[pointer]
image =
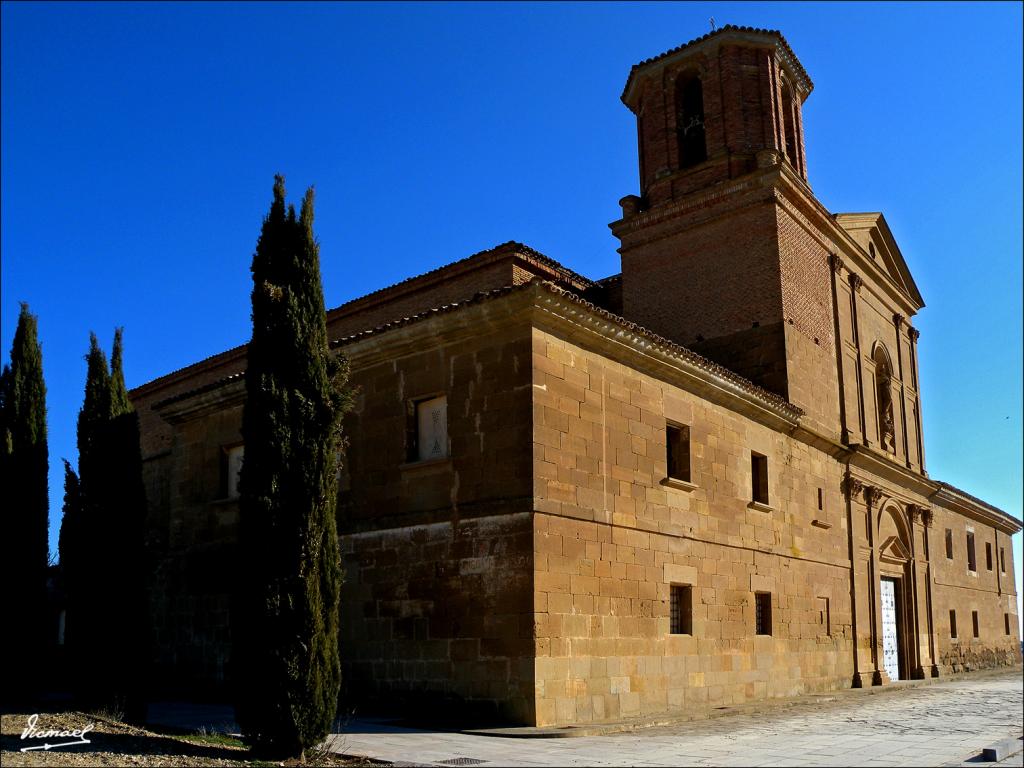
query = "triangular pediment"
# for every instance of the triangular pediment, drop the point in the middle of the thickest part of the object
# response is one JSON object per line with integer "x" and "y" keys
{"x": 893, "y": 551}
{"x": 872, "y": 234}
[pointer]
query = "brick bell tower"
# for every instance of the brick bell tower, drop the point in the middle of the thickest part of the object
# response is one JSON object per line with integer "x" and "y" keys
{"x": 716, "y": 250}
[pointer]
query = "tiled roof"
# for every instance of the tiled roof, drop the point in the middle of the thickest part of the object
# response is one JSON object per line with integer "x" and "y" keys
{"x": 509, "y": 247}
{"x": 727, "y": 28}
{"x": 200, "y": 390}
{"x": 769, "y": 398}
{"x": 954, "y": 490}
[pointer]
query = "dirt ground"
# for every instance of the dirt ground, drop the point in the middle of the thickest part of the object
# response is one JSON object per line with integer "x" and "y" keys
{"x": 118, "y": 744}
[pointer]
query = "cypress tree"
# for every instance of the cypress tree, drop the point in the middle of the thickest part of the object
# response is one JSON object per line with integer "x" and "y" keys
{"x": 124, "y": 500}
{"x": 25, "y": 464}
{"x": 285, "y": 627}
{"x": 102, "y": 544}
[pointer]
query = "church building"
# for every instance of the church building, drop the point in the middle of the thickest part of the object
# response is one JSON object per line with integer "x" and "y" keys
{"x": 695, "y": 483}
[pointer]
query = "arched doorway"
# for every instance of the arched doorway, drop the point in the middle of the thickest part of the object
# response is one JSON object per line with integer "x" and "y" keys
{"x": 897, "y": 610}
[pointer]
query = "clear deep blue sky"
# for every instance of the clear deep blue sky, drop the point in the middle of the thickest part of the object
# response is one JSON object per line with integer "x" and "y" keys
{"x": 139, "y": 144}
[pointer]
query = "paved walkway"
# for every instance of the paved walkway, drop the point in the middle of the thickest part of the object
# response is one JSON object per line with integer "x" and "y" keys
{"x": 947, "y": 723}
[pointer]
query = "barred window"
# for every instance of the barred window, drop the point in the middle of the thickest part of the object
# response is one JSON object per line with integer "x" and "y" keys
{"x": 763, "y": 613}
{"x": 681, "y": 610}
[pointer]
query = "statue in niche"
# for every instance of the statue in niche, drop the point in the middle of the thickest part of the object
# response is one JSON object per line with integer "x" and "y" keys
{"x": 883, "y": 382}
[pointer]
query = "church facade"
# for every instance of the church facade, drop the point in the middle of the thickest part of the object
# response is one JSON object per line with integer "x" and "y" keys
{"x": 692, "y": 484}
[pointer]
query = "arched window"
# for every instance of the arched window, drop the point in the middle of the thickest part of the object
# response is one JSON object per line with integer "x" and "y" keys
{"x": 788, "y": 125}
{"x": 883, "y": 399}
{"x": 690, "y": 121}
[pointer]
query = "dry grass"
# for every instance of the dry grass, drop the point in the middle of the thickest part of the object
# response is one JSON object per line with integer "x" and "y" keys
{"x": 115, "y": 743}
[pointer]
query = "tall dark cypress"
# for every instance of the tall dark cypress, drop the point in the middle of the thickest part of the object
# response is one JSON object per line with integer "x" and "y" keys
{"x": 84, "y": 548}
{"x": 124, "y": 500}
{"x": 102, "y": 544}
{"x": 285, "y": 624}
{"x": 24, "y": 547}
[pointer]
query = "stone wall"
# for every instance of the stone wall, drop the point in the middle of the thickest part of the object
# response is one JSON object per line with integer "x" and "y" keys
{"x": 612, "y": 534}
{"x": 990, "y": 592}
{"x": 437, "y": 604}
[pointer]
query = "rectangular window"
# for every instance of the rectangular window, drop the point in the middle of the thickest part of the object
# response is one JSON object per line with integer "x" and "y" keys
{"x": 681, "y": 610}
{"x": 677, "y": 439}
{"x": 988, "y": 556}
{"x": 763, "y": 613}
{"x": 821, "y": 499}
{"x": 952, "y": 624}
{"x": 759, "y": 477}
{"x": 974, "y": 621}
{"x": 949, "y": 543}
{"x": 1006, "y": 623}
{"x": 1002, "y": 559}
{"x": 428, "y": 429}
{"x": 972, "y": 563}
{"x": 232, "y": 466}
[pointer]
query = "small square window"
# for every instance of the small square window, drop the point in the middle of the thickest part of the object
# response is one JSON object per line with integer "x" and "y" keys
{"x": 972, "y": 562}
{"x": 763, "y": 613}
{"x": 974, "y": 621}
{"x": 681, "y": 610}
{"x": 759, "y": 477}
{"x": 428, "y": 429}
{"x": 677, "y": 440}
{"x": 232, "y": 467}
{"x": 952, "y": 624}
{"x": 988, "y": 556}
{"x": 949, "y": 543}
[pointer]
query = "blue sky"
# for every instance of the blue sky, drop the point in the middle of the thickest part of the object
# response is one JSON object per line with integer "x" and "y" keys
{"x": 139, "y": 144}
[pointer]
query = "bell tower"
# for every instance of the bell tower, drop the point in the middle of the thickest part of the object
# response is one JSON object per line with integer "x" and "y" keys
{"x": 717, "y": 252}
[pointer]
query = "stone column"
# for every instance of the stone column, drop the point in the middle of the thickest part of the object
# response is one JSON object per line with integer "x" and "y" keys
{"x": 897, "y": 320}
{"x": 856, "y": 284}
{"x": 917, "y": 572}
{"x": 926, "y": 525}
{"x": 872, "y": 495}
{"x": 914, "y": 335}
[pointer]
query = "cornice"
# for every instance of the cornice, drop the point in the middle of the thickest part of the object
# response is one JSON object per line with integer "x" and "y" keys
{"x": 217, "y": 396}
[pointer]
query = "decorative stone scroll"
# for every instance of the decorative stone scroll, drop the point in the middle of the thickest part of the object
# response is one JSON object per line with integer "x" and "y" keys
{"x": 913, "y": 333}
{"x": 855, "y": 282}
{"x": 872, "y": 494}
{"x": 836, "y": 262}
{"x": 926, "y": 516}
{"x": 897, "y": 320}
{"x": 852, "y": 486}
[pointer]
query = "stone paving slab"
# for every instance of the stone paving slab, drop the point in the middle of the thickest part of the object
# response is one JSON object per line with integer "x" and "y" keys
{"x": 949, "y": 722}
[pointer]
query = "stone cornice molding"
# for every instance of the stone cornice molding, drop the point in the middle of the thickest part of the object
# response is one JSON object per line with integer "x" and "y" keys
{"x": 212, "y": 398}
